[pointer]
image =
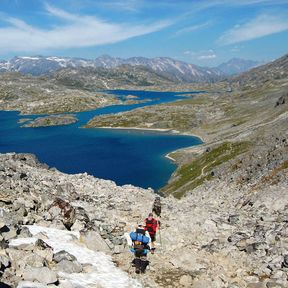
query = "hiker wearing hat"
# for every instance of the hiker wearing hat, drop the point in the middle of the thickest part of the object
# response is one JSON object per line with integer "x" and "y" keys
{"x": 139, "y": 243}
{"x": 151, "y": 226}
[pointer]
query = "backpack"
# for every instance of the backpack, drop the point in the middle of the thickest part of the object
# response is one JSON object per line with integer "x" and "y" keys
{"x": 137, "y": 237}
{"x": 151, "y": 225}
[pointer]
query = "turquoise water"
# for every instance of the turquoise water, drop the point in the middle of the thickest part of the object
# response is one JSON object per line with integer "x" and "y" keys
{"x": 124, "y": 156}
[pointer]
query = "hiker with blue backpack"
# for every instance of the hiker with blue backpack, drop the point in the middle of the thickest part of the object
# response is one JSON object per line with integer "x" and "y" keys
{"x": 139, "y": 242}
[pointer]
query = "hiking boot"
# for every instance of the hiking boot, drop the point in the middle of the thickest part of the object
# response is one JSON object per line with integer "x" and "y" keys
{"x": 152, "y": 250}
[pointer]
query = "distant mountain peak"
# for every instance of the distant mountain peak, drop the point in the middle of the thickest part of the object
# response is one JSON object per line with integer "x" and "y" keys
{"x": 237, "y": 65}
{"x": 170, "y": 68}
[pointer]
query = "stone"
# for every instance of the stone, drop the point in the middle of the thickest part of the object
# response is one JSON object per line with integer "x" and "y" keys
{"x": 118, "y": 249}
{"x": 236, "y": 237}
{"x": 47, "y": 254}
{"x": 256, "y": 285}
{"x": 43, "y": 275}
{"x": 276, "y": 263}
{"x": 277, "y": 274}
{"x": 20, "y": 259}
{"x": 6, "y": 197}
{"x": 29, "y": 284}
{"x": 274, "y": 284}
{"x": 4, "y": 261}
{"x": 202, "y": 283}
{"x": 63, "y": 209}
{"x": 78, "y": 225}
{"x": 4, "y": 244}
{"x": 63, "y": 255}
{"x": 81, "y": 215}
{"x": 41, "y": 244}
{"x": 94, "y": 241}
{"x": 10, "y": 234}
{"x": 189, "y": 261}
{"x": 4, "y": 285}
{"x": 69, "y": 266}
{"x": 186, "y": 281}
{"x": 66, "y": 189}
{"x": 285, "y": 261}
{"x": 2, "y": 224}
{"x": 233, "y": 219}
{"x": 24, "y": 233}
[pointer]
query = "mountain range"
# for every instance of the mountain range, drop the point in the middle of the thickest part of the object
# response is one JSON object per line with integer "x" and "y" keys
{"x": 174, "y": 70}
{"x": 237, "y": 66}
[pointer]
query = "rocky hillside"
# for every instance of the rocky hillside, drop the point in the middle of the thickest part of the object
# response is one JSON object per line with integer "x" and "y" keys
{"x": 103, "y": 78}
{"x": 230, "y": 232}
{"x": 268, "y": 74}
{"x": 34, "y": 95}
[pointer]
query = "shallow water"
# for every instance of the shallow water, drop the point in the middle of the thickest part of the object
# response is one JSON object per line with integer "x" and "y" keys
{"x": 124, "y": 156}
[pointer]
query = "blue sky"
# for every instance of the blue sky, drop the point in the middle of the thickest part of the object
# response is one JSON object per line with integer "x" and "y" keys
{"x": 203, "y": 32}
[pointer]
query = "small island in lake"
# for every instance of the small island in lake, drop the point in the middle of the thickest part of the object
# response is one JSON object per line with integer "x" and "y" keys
{"x": 52, "y": 120}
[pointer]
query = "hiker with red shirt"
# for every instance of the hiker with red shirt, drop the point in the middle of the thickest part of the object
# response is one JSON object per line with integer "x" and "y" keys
{"x": 151, "y": 226}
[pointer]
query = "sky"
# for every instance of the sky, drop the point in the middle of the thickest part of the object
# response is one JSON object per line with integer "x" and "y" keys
{"x": 203, "y": 32}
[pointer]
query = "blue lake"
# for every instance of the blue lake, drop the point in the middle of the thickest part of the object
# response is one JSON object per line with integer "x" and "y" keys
{"x": 124, "y": 156}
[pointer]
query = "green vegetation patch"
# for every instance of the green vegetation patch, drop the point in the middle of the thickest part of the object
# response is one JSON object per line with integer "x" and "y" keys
{"x": 193, "y": 174}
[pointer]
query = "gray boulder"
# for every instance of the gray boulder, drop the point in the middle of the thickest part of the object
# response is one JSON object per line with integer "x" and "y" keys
{"x": 69, "y": 266}
{"x": 4, "y": 261}
{"x": 94, "y": 241}
{"x": 186, "y": 281}
{"x": 29, "y": 284}
{"x": 63, "y": 255}
{"x": 21, "y": 259}
{"x": 25, "y": 233}
{"x": 43, "y": 275}
{"x": 285, "y": 261}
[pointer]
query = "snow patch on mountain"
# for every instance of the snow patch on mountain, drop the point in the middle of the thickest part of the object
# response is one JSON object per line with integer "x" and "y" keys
{"x": 170, "y": 68}
{"x": 103, "y": 273}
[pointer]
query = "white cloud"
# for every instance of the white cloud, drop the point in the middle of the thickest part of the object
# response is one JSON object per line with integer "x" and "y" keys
{"x": 206, "y": 4}
{"x": 127, "y": 5}
{"x": 76, "y": 31}
{"x": 192, "y": 28}
{"x": 261, "y": 26}
{"x": 207, "y": 57}
{"x": 115, "y": 5}
{"x": 201, "y": 55}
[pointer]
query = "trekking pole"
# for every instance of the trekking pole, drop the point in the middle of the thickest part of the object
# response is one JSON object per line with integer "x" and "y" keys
{"x": 162, "y": 248}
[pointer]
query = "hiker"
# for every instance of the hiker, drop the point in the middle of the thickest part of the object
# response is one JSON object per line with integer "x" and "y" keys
{"x": 151, "y": 226}
{"x": 157, "y": 206}
{"x": 139, "y": 242}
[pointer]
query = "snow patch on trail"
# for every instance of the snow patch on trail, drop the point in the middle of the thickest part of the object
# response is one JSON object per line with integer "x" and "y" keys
{"x": 103, "y": 272}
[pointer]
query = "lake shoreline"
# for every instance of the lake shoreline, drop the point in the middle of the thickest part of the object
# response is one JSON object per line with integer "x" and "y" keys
{"x": 168, "y": 131}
